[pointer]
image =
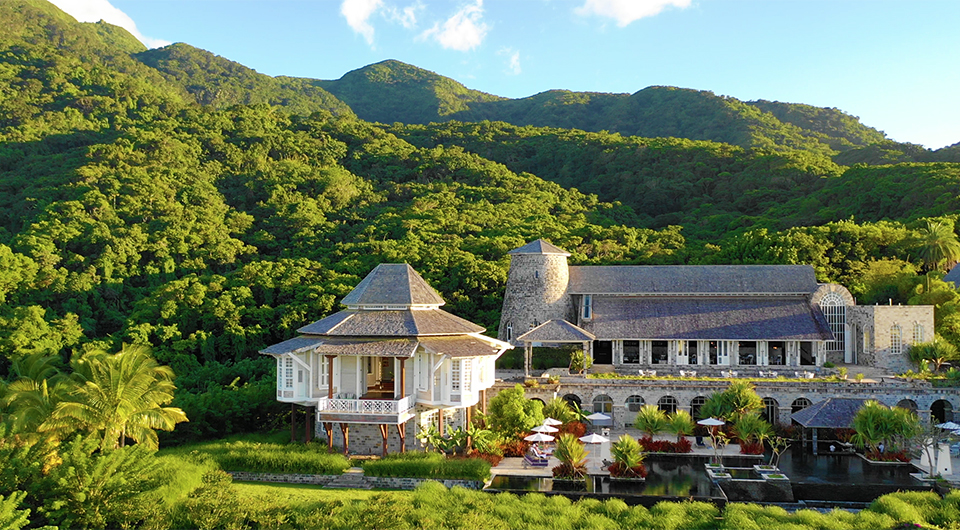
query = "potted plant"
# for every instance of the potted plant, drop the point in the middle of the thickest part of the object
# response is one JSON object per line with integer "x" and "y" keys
{"x": 573, "y": 459}
{"x": 627, "y": 459}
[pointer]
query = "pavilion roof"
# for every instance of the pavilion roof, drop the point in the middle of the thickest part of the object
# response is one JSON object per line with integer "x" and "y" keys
{"x": 393, "y": 284}
{"x": 831, "y": 413}
{"x": 400, "y": 323}
{"x": 557, "y": 331}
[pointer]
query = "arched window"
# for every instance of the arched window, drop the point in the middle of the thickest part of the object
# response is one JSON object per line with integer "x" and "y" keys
{"x": 908, "y": 404}
{"x": 896, "y": 340}
{"x": 799, "y": 404}
{"x": 771, "y": 410}
{"x": 917, "y": 333}
{"x": 603, "y": 403}
{"x": 634, "y": 403}
{"x": 667, "y": 404}
{"x": 509, "y": 332}
{"x": 942, "y": 411}
{"x": 573, "y": 399}
{"x": 695, "y": 407}
{"x": 836, "y": 313}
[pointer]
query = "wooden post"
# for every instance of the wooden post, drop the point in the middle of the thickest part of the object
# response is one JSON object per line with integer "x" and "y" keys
{"x": 483, "y": 401}
{"x": 467, "y": 428}
{"x": 327, "y": 426}
{"x": 345, "y": 428}
{"x": 440, "y": 421}
{"x": 330, "y": 359}
{"x": 383, "y": 433}
{"x": 293, "y": 422}
{"x": 403, "y": 380}
{"x": 403, "y": 437}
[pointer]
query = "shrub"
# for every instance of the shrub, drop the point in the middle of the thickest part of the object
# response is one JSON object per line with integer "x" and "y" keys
{"x": 650, "y": 420}
{"x": 574, "y": 427}
{"x": 572, "y": 456}
{"x": 256, "y": 457}
{"x": 560, "y": 410}
{"x": 514, "y": 447}
{"x": 417, "y": 464}
{"x": 512, "y": 414}
{"x": 751, "y": 448}
{"x": 665, "y": 446}
{"x": 628, "y": 458}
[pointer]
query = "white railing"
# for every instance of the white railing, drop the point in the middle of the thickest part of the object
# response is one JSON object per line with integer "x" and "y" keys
{"x": 366, "y": 406}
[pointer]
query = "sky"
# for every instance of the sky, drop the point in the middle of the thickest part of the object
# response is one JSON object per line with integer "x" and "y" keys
{"x": 893, "y": 64}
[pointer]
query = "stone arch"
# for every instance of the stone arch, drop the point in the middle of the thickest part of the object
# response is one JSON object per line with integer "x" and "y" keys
{"x": 771, "y": 410}
{"x": 667, "y": 404}
{"x": 695, "y": 405}
{"x": 538, "y": 399}
{"x": 908, "y": 404}
{"x": 603, "y": 403}
{"x": 573, "y": 399}
{"x": 634, "y": 403}
{"x": 941, "y": 411}
{"x": 799, "y": 404}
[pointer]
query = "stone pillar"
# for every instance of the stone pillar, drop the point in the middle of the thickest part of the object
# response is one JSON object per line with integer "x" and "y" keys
{"x": 785, "y": 414}
{"x": 924, "y": 416}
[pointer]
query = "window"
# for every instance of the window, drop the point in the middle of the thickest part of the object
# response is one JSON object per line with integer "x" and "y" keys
{"x": 917, "y": 333}
{"x": 668, "y": 404}
{"x": 771, "y": 410}
{"x": 692, "y": 355}
{"x": 324, "y": 379}
{"x": 799, "y": 404}
{"x": 287, "y": 372}
{"x": 455, "y": 375}
{"x": 536, "y": 274}
{"x": 695, "y": 406}
{"x": 634, "y": 403}
{"x": 467, "y": 375}
{"x": 747, "y": 352}
{"x": 603, "y": 403}
{"x": 509, "y": 332}
{"x": 776, "y": 353}
{"x": 896, "y": 340}
{"x": 835, "y": 311}
{"x": 658, "y": 352}
{"x": 631, "y": 352}
{"x": 587, "y": 307}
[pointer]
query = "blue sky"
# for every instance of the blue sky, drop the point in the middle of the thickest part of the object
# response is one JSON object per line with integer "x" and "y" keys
{"x": 895, "y": 64}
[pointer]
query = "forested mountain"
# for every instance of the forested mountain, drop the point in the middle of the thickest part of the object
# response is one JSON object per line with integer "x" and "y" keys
{"x": 175, "y": 199}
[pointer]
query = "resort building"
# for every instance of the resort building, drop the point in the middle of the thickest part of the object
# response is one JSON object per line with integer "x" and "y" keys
{"x": 390, "y": 363}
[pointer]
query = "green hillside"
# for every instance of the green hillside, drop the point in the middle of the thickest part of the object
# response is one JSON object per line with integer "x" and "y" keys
{"x": 219, "y": 83}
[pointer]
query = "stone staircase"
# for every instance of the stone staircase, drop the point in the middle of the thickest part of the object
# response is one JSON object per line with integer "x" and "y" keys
{"x": 352, "y": 478}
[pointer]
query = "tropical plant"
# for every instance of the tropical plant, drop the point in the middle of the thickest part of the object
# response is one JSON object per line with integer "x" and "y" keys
{"x": 11, "y": 517}
{"x": 627, "y": 457}
{"x": 681, "y": 424}
{"x": 579, "y": 362}
{"x": 876, "y": 423}
{"x": 572, "y": 456}
{"x": 937, "y": 244}
{"x": 651, "y": 420}
{"x": 120, "y": 396}
{"x": 510, "y": 413}
{"x": 778, "y": 445}
{"x": 560, "y": 410}
{"x": 752, "y": 431}
{"x": 738, "y": 399}
{"x": 937, "y": 352}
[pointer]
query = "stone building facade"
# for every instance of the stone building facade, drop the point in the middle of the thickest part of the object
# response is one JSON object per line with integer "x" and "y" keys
{"x": 882, "y": 334}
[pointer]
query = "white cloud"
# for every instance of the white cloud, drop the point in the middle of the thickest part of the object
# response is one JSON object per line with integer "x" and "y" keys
{"x": 407, "y": 17}
{"x": 513, "y": 60}
{"x": 626, "y": 11}
{"x": 97, "y": 10}
{"x": 358, "y": 13}
{"x": 463, "y": 31}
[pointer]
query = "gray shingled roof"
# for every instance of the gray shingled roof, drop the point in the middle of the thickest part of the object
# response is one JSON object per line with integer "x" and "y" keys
{"x": 407, "y": 323}
{"x": 693, "y": 279}
{"x": 393, "y": 284}
{"x": 834, "y": 413}
{"x": 556, "y": 331}
{"x": 294, "y": 345}
{"x": 375, "y": 347}
{"x": 469, "y": 346}
{"x": 953, "y": 276}
{"x": 706, "y": 318}
{"x": 539, "y": 246}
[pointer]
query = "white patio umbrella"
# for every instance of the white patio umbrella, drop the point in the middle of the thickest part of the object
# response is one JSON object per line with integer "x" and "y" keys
{"x": 598, "y": 416}
{"x": 711, "y": 422}
{"x": 545, "y": 428}
{"x": 539, "y": 437}
{"x": 950, "y": 426}
{"x": 596, "y": 457}
{"x": 553, "y": 423}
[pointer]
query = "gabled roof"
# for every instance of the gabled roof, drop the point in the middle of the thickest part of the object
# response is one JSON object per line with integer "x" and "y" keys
{"x": 462, "y": 346}
{"x": 556, "y": 331}
{"x": 539, "y": 246}
{"x": 835, "y": 413}
{"x": 393, "y": 284}
{"x": 294, "y": 345}
{"x": 401, "y": 323}
{"x": 755, "y": 280}
{"x": 707, "y": 318}
{"x": 457, "y": 346}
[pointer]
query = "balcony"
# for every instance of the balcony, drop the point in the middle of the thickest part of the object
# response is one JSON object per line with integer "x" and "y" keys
{"x": 392, "y": 411}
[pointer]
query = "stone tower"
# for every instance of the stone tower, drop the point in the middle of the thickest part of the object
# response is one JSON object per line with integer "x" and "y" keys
{"x": 536, "y": 289}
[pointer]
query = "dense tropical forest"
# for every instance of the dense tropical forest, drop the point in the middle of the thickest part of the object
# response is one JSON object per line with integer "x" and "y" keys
{"x": 176, "y": 211}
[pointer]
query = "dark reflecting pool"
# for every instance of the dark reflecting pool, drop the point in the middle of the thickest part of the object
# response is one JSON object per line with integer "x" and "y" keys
{"x": 842, "y": 469}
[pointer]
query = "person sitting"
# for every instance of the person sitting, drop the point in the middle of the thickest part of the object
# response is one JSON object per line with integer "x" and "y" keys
{"x": 700, "y": 441}
{"x": 535, "y": 449}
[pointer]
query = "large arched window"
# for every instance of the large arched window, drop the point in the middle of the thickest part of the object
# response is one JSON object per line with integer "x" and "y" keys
{"x": 634, "y": 403}
{"x": 603, "y": 403}
{"x": 896, "y": 340}
{"x": 771, "y": 410}
{"x": 836, "y": 313}
{"x": 799, "y": 404}
{"x": 695, "y": 407}
{"x": 667, "y": 404}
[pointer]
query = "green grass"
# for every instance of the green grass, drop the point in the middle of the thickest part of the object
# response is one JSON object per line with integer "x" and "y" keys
{"x": 427, "y": 465}
{"x": 262, "y": 454}
{"x": 301, "y": 495}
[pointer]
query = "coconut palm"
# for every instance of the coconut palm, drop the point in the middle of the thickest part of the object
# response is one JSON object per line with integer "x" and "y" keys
{"x": 572, "y": 456}
{"x": 37, "y": 388}
{"x": 651, "y": 420}
{"x": 681, "y": 424}
{"x": 937, "y": 245}
{"x": 120, "y": 395}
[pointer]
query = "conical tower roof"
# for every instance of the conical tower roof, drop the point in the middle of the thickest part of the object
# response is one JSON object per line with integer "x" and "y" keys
{"x": 539, "y": 246}
{"x": 393, "y": 284}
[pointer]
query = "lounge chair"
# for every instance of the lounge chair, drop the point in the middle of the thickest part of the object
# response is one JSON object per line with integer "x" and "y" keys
{"x": 535, "y": 461}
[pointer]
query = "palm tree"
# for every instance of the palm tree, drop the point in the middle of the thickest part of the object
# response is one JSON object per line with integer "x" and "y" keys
{"x": 121, "y": 395}
{"x": 38, "y": 387}
{"x": 938, "y": 245}
{"x": 651, "y": 420}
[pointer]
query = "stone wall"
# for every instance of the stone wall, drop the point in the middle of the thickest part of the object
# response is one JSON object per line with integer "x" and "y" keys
{"x": 395, "y": 483}
{"x": 873, "y": 326}
{"x": 784, "y": 393}
{"x": 536, "y": 292}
